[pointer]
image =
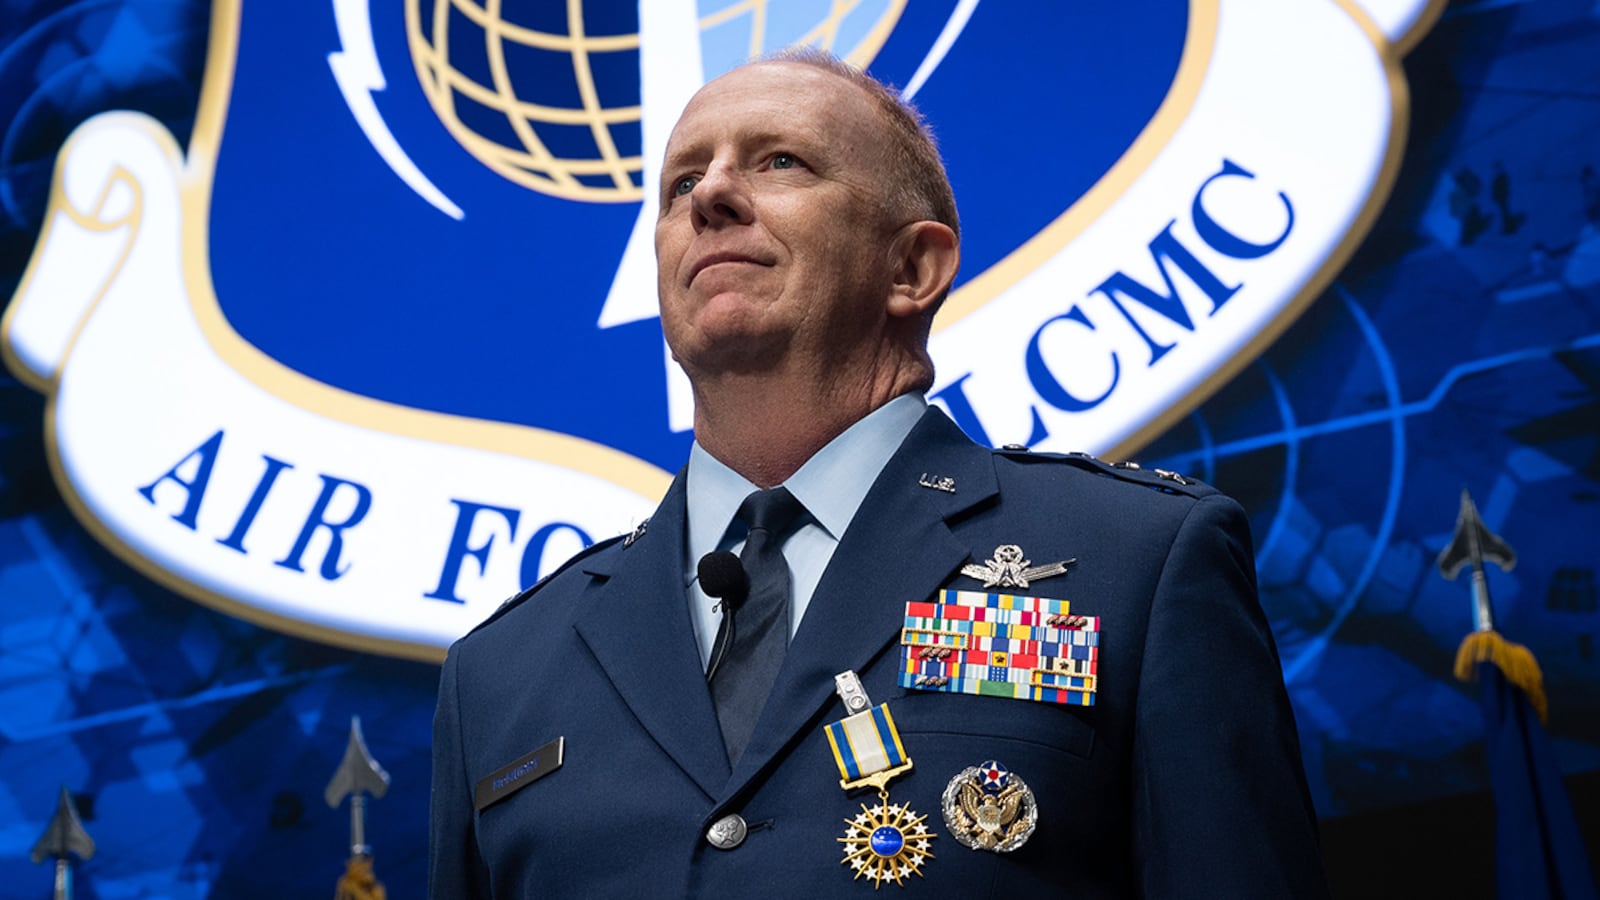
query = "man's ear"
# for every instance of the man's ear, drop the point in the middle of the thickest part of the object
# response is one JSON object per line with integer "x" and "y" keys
{"x": 925, "y": 256}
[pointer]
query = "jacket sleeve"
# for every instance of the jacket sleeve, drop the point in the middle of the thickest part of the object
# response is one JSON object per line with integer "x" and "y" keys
{"x": 455, "y": 867}
{"x": 1221, "y": 807}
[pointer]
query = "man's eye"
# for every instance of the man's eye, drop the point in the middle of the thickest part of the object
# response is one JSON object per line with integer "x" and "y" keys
{"x": 785, "y": 161}
{"x": 684, "y": 185}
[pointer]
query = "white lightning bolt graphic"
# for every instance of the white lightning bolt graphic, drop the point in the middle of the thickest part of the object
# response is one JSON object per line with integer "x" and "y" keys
{"x": 358, "y": 75}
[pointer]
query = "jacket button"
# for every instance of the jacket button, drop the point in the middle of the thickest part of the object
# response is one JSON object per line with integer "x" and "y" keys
{"x": 727, "y": 832}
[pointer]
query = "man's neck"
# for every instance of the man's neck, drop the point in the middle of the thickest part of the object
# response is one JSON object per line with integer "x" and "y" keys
{"x": 766, "y": 428}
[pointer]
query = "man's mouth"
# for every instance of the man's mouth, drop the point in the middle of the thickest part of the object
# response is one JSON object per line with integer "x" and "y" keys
{"x": 716, "y": 259}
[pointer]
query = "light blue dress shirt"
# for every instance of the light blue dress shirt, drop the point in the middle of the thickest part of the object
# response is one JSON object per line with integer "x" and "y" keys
{"x": 831, "y": 486}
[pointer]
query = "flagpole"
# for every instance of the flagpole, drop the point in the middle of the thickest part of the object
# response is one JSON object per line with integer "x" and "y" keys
{"x": 1539, "y": 852}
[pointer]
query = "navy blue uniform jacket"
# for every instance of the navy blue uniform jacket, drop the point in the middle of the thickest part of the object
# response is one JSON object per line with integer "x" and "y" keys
{"x": 1183, "y": 780}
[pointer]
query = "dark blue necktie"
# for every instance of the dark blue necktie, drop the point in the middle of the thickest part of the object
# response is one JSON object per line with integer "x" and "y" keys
{"x": 755, "y": 635}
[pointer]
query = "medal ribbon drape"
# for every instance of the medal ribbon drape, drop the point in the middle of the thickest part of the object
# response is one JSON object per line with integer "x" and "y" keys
{"x": 865, "y": 744}
{"x": 885, "y": 841}
{"x": 757, "y": 632}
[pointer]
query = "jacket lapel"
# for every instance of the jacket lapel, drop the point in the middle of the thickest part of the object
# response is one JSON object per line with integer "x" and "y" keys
{"x": 639, "y": 630}
{"x": 898, "y": 548}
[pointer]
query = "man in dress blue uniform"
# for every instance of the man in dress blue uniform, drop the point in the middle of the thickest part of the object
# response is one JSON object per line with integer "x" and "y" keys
{"x": 1076, "y": 691}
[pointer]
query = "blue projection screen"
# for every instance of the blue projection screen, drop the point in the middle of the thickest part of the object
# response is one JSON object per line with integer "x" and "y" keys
{"x": 328, "y": 329}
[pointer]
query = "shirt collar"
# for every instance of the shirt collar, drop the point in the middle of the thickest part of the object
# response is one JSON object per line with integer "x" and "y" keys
{"x": 831, "y": 484}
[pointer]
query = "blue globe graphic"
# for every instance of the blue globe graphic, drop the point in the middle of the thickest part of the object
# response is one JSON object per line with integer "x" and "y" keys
{"x": 887, "y": 840}
{"x": 547, "y": 94}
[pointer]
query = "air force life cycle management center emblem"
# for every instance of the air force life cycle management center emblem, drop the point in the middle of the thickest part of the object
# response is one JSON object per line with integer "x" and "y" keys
{"x": 379, "y": 346}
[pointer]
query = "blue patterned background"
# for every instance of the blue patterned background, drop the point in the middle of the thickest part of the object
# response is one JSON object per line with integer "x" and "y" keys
{"x": 1459, "y": 348}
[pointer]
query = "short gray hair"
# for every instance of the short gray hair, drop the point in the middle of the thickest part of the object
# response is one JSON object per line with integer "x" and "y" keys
{"x": 920, "y": 185}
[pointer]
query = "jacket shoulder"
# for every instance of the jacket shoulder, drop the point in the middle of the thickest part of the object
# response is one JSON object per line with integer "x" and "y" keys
{"x": 1131, "y": 473}
{"x": 517, "y": 599}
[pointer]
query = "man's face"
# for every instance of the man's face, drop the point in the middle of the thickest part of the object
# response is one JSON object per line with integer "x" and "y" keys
{"x": 773, "y": 241}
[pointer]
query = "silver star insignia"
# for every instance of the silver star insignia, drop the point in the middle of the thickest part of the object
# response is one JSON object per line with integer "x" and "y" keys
{"x": 1009, "y": 569}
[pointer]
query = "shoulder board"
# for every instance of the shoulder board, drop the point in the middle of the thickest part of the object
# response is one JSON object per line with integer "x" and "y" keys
{"x": 1162, "y": 480}
{"x": 516, "y": 599}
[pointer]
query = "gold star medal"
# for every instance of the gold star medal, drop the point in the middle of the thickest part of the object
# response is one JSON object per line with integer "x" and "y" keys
{"x": 885, "y": 841}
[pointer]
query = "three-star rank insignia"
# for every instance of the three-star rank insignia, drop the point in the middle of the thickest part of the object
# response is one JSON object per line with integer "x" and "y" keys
{"x": 987, "y": 807}
{"x": 1009, "y": 569}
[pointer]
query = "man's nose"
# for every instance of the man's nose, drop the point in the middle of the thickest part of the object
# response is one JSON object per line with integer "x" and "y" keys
{"x": 720, "y": 198}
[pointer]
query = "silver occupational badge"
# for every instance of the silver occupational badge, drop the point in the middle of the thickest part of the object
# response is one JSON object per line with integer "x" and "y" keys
{"x": 987, "y": 807}
{"x": 1009, "y": 569}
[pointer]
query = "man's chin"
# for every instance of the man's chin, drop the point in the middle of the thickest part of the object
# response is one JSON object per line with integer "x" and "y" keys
{"x": 737, "y": 354}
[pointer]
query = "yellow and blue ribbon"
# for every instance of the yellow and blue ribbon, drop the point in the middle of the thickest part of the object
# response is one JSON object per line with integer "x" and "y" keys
{"x": 866, "y": 743}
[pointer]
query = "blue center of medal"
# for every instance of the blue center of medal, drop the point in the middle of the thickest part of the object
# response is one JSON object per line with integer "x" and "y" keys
{"x": 887, "y": 841}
